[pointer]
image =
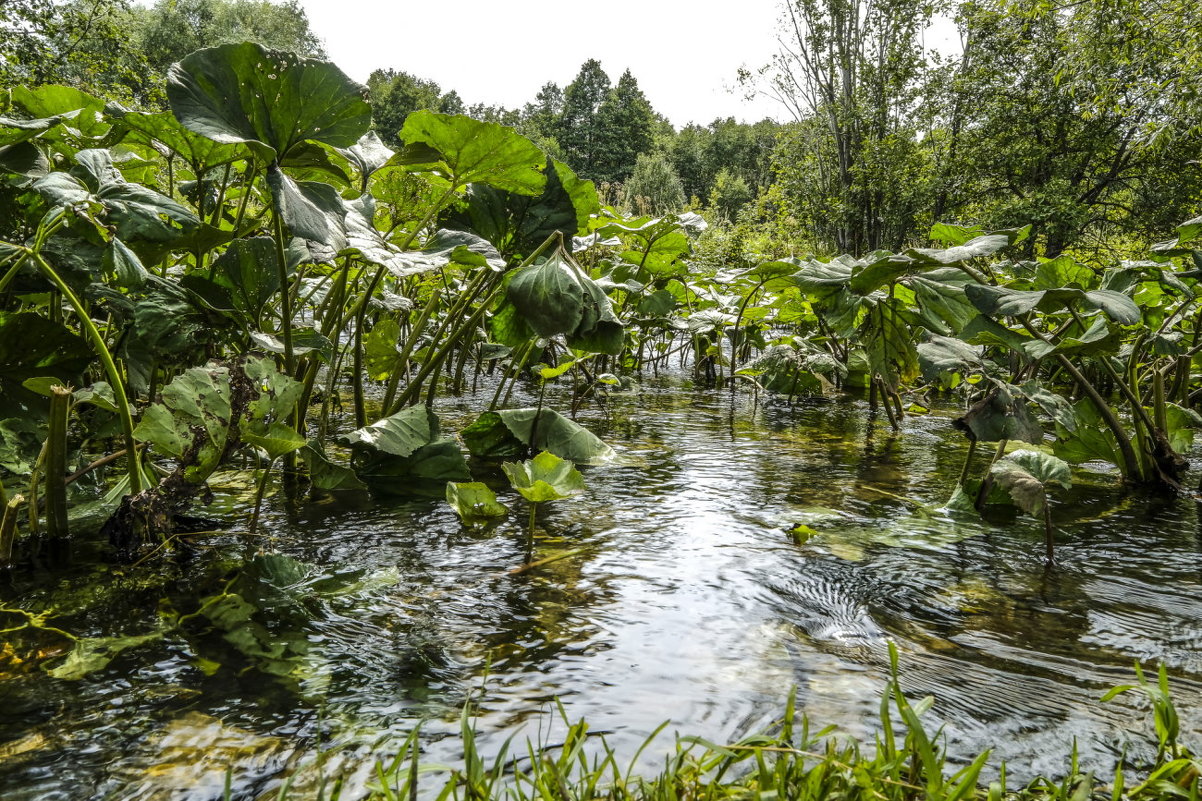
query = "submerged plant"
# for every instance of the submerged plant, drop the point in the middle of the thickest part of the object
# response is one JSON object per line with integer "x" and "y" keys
{"x": 474, "y": 502}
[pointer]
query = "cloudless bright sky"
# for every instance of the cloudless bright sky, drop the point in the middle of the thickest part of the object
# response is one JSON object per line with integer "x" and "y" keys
{"x": 684, "y": 55}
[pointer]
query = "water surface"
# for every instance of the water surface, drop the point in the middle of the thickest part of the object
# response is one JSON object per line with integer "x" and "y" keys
{"x": 688, "y": 601}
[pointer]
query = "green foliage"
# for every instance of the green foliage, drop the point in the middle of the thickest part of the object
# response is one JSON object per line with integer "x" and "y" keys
{"x": 557, "y": 297}
{"x": 653, "y": 187}
{"x": 460, "y": 151}
{"x": 509, "y": 432}
{"x": 544, "y": 478}
{"x": 270, "y": 100}
{"x": 474, "y": 502}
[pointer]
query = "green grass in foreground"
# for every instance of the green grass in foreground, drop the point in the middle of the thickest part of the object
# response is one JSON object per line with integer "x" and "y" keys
{"x": 905, "y": 763}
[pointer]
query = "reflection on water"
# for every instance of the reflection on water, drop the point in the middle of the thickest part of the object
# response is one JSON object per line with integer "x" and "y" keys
{"x": 689, "y": 601}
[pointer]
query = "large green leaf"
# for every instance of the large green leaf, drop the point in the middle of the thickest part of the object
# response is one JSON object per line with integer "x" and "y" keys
{"x": 1026, "y": 474}
{"x": 248, "y": 269}
{"x": 509, "y": 432}
{"x": 310, "y": 209}
{"x": 193, "y": 420}
{"x": 1003, "y": 301}
{"x": 460, "y": 151}
{"x": 164, "y": 132}
{"x": 381, "y": 355}
{"x": 368, "y": 154}
{"x": 1065, "y": 271}
{"x": 150, "y": 222}
{"x": 557, "y": 297}
{"x": 31, "y": 346}
{"x": 165, "y": 324}
{"x": 25, "y": 161}
{"x": 474, "y": 502}
{"x": 518, "y": 223}
{"x": 13, "y": 131}
{"x": 82, "y": 113}
{"x": 1001, "y": 414}
{"x": 942, "y": 355}
{"x": 278, "y": 439}
{"x": 325, "y": 474}
{"x": 878, "y": 270}
{"x": 400, "y": 434}
{"x": 977, "y": 247}
{"x": 555, "y": 433}
{"x": 546, "y": 477}
{"x": 423, "y": 471}
{"x": 487, "y": 436}
{"x": 270, "y": 100}
{"x": 277, "y": 393}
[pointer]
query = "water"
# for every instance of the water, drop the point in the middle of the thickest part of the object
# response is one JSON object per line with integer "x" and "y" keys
{"x": 689, "y": 601}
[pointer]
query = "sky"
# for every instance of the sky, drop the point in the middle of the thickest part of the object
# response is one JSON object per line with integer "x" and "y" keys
{"x": 684, "y": 56}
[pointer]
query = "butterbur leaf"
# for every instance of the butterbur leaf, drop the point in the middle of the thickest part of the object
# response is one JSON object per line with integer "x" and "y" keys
{"x": 268, "y": 99}
{"x": 548, "y": 430}
{"x": 368, "y": 154}
{"x": 518, "y": 223}
{"x": 91, "y": 654}
{"x": 474, "y": 502}
{"x": 193, "y": 419}
{"x": 380, "y": 355}
{"x": 979, "y": 246}
{"x": 1001, "y": 414}
{"x": 163, "y": 131}
{"x": 310, "y": 210}
{"x": 400, "y": 434}
{"x": 278, "y": 439}
{"x": 557, "y": 297}
{"x": 462, "y": 151}
{"x": 546, "y": 477}
{"x": 1026, "y": 474}
{"x": 942, "y": 355}
{"x": 954, "y": 234}
{"x": 13, "y": 131}
{"x": 33, "y": 346}
{"x": 1003, "y": 301}
{"x": 325, "y": 474}
{"x": 249, "y": 270}
{"x": 423, "y": 471}
{"x": 488, "y": 436}
{"x": 124, "y": 264}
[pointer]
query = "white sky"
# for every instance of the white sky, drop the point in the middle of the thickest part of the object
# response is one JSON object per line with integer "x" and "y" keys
{"x": 685, "y": 55}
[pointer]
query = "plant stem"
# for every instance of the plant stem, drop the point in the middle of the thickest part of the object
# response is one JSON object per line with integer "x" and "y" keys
{"x": 116, "y": 380}
{"x": 8, "y": 529}
{"x": 56, "y": 462}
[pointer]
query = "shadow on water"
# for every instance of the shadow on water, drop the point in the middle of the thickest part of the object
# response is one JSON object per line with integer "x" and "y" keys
{"x": 688, "y": 600}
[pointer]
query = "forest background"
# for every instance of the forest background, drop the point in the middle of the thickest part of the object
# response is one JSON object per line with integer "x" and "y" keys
{"x": 1081, "y": 119}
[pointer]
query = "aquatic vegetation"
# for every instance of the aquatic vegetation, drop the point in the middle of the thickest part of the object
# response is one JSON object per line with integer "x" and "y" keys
{"x": 252, "y": 285}
{"x": 793, "y": 759}
{"x": 546, "y": 477}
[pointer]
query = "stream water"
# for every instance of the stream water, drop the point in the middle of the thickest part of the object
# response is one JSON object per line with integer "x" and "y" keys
{"x": 687, "y": 599}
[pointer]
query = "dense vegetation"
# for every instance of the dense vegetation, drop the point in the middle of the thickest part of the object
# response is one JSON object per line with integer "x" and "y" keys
{"x": 243, "y": 274}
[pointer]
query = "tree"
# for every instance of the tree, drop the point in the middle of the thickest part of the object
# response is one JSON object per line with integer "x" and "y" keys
{"x": 170, "y": 29}
{"x": 653, "y": 187}
{"x": 395, "y": 95}
{"x": 81, "y": 43}
{"x": 848, "y": 70}
{"x": 730, "y": 193}
{"x": 541, "y": 117}
{"x": 1081, "y": 120}
{"x": 625, "y": 128}
{"x": 577, "y": 132}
